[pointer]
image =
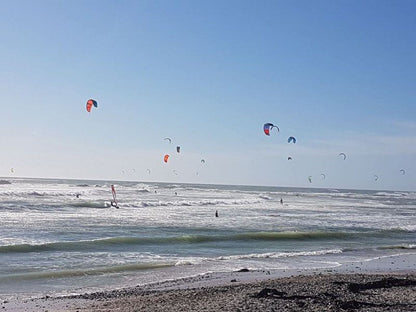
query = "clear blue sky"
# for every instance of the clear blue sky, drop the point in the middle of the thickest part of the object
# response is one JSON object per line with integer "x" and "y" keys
{"x": 337, "y": 75}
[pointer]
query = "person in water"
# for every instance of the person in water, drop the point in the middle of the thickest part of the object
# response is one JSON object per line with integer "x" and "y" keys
{"x": 216, "y": 213}
{"x": 281, "y": 201}
{"x": 114, "y": 204}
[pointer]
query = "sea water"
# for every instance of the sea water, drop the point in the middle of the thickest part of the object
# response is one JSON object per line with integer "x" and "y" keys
{"x": 64, "y": 237}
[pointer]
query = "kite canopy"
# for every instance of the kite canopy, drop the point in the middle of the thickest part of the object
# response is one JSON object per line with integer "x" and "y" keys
{"x": 148, "y": 171}
{"x": 323, "y": 176}
{"x": 268, "y": 127}
{"x": 289, "y": 158}
{"x": 165, "y": 159}
{"x": 90, "y": 104}
{"x": 202, "y": 161}
{"x": 375, "y": 177}
{"x": 291, "y": 139}
{"x": 178, "y": 149}
{"x": 310, "y": 179}
{"x": 343, "y": 155}
{"x": 168, "y": 139}
{"x": 402, "y": 171}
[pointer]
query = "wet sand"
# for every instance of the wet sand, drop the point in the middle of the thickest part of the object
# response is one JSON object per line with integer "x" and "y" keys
{"x": 344, "y": 288}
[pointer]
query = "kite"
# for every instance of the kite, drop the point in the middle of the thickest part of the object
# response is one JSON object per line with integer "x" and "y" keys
{"x": 291, "y": 139}
{"x": 375, "y": 177}
{"x": 310, "y": 179}
{"x": 323, "y": 176}
{"x": 343, "y": 155}
{"x": 178, "y": 149}
{"x": 90, "y": 104}
{"x": 165, "y": 159}
{"x": 148, "y": 171}
{"x": 168, "y": 139}
{"x": 289, "y": 158}
{"x": 268, "y": 127}
{"x": 403, "y": 171}
{"x": 202, "y": 161}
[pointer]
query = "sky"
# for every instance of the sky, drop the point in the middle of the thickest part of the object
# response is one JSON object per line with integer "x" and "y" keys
{"x": 337, "y": 75}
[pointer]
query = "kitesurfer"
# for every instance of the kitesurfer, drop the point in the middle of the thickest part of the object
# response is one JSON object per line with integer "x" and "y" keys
{"x": 216, "y": 213}
{"x": 281, "y": 201}
{"x": 114, "y": 201}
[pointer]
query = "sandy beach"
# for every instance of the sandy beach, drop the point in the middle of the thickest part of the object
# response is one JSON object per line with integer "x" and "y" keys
{"x": 368, "y": 286}
{"x": 301, "y": 293}
{"x": 322, "y": 292}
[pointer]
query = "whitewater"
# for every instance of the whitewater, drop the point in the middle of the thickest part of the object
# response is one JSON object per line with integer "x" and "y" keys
{"x": 63, "y": 237}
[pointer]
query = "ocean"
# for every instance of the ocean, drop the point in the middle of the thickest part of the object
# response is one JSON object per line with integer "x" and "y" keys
{"x": 60, "y": 237}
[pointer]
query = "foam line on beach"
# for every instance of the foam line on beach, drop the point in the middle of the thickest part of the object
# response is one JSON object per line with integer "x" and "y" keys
{"x": 85, "y": 272}
{"x": 402, "y": 246}
{"x": 282, "y": 254}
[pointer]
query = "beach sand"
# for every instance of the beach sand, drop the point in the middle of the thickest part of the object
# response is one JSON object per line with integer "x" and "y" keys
{"x": 301, "y": 293}
{"x": 343, "y": 288}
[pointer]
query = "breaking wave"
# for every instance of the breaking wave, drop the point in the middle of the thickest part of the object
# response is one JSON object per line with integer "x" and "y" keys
{"x": 97, "y": 244}
{"x": 190, "y": 203}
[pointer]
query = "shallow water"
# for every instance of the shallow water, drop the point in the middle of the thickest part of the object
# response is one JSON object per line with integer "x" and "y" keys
{"x": 52, "y": 242}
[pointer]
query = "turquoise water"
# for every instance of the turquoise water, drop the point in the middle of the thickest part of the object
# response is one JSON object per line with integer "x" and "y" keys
{"x": 53, "y": 242}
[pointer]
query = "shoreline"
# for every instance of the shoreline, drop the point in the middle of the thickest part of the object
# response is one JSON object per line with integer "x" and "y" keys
{"x": 244, "y": 290}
